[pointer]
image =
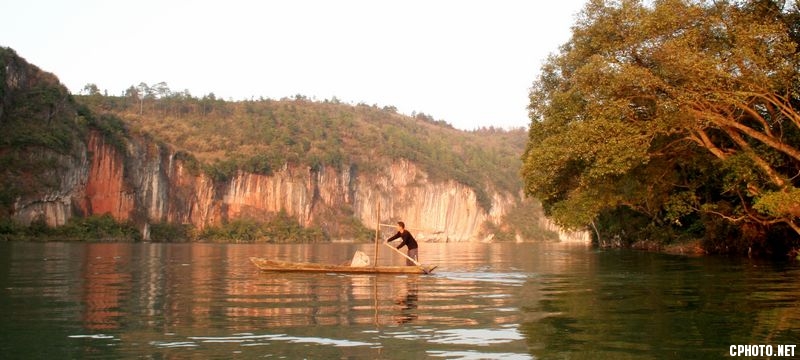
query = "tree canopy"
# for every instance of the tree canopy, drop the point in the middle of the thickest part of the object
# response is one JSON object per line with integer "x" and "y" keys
{"x": 682, "y": 117}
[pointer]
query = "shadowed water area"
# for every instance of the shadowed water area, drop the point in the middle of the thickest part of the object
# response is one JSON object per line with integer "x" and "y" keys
{"x": 501, "y": 301}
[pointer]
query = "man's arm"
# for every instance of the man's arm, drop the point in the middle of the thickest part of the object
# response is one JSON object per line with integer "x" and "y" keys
{"x": 395, "y": 236}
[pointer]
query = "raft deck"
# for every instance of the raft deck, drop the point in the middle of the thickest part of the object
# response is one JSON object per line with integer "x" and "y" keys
{"x": 273, "y": 265}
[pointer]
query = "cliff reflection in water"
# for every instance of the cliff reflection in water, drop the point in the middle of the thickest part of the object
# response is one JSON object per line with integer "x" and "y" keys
{"x": 169, "y": 287}
{"x": 105, "y": 286}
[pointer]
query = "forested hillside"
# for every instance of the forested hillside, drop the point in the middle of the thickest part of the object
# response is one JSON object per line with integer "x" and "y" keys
{"x": 263, "y": 135}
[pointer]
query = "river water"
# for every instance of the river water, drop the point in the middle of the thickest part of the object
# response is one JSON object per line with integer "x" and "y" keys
{"x": 496, "y": 301}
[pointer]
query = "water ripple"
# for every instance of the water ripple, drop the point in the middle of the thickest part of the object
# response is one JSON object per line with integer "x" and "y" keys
{"x": 494, "y": 277}
{"x": 475, "y": 355}
{"x": 250, "y": 338}
{"x": 173, "y": 344}
{"x": 477, "y": 336}
{"x": 91, "y": 336}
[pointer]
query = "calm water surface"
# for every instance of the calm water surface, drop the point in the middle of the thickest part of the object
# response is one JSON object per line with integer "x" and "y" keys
{"x": 498, "y": 301}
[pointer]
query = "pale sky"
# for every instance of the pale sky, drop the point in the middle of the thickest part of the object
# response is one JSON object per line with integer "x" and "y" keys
{"x": 469, "y": 63}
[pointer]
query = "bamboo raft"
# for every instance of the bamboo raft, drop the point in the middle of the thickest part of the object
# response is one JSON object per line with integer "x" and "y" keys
{"x": 274, "y": 265}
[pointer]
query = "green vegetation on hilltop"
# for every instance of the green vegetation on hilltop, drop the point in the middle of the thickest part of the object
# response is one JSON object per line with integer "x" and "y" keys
{"x": 261, "y": 136}
{"x": 41, "y": 125}
{"x": 673, "y": 119}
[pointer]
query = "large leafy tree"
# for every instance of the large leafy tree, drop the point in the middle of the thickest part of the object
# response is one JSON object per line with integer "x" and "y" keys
{"x": 676, "y": 110}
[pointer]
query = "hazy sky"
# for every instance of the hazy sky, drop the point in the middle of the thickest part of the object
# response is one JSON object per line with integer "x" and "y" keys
{"x": 469, "y": 63}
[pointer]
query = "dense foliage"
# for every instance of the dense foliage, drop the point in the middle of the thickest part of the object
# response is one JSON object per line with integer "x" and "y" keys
{"x": 673, "y": 119}
{"x": 280, "y": 229}
{"x": 92, "y": 228}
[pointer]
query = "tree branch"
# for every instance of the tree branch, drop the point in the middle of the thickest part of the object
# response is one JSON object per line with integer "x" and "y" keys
{"x": 782, "y": 102}
{"x": 760, "y": 162}
{"x": 699, "y": 136}
{"x": 712, "y": 113}
{"x": 726, "y": 217}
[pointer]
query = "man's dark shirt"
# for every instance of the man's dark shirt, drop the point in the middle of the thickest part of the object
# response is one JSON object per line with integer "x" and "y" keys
{"x": 408, "y": 240}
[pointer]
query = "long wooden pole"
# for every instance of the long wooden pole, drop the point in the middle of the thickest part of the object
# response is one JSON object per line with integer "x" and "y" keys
{"x": 377, "y": 234}
{"x": 409, "y": 259}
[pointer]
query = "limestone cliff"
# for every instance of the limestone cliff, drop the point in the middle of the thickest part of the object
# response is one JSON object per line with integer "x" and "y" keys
{"x": 147, "y": 184}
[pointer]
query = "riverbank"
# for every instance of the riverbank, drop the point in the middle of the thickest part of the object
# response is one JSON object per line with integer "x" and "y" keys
{"x": 694, "y": 248}
{"x": 688, "y": 248}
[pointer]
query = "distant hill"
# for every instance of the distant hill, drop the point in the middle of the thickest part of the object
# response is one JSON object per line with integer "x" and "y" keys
{"x": 160, "y": 165}
{"x": 263, "y": 135}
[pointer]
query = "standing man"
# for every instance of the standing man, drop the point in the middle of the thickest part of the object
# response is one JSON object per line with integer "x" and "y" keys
{"x": 408, "y": 240}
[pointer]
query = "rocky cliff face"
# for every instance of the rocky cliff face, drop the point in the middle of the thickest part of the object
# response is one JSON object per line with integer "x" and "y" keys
{"x": 146, "y": 184}
{"x": 57, "y": 205}
{"x": 57, "y": 164}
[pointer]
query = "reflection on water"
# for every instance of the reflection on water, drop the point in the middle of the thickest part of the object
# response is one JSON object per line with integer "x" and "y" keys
{"x": 657, "y": 306}
{"x": 502, "y": 301}
{"x": 407, "y": 299}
